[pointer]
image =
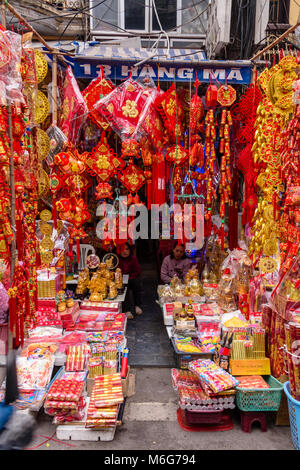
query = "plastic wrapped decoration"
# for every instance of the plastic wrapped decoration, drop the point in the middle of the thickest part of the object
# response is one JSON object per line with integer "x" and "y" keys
{"x": 57, "y": 142}
{"x": 97, "y": 89}
{"x": 171, "y": 111}
{"x": 153, "y": 127}
{"x": 76, "y": 212}
{"x": 10, "y": 65}
{"x": 30, "y": 79}
{"x": 74, "y": 108}
{"x": 126, "y": 107}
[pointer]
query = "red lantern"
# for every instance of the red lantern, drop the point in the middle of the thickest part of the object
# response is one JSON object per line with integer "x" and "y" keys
{"x": 211, "y": 97}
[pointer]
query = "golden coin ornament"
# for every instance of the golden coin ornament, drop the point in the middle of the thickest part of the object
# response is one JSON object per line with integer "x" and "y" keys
{"x": 46, "y": 229}
{"x": 47, "y": 244}
{"x": 45, "y": 215}
{"x": 268, "y": 265}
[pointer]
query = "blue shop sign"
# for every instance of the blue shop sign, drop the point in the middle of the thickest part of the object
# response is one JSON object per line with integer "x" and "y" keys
{"x": 234, "y": 75}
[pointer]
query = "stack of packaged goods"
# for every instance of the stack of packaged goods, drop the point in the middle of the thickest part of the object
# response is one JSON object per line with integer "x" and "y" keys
{"x": 195, "y": 395}
{"x": 65, "y": 399}
{"x": 77, "y": 357}
{"x": 104, "y": 402}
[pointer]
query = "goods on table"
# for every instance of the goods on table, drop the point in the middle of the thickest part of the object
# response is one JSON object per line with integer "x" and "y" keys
{"x": 215, "y": 377}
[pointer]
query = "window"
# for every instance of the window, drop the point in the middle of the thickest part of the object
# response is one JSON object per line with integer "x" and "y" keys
{"x": 177, "y": 16}
{"x": 134, "y": 14}
{"x": 279, "y": 11}
{"x": 167, "y": 13}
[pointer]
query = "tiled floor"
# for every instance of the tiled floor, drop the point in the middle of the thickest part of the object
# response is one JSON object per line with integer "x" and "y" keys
{"x": 146, "y": 334}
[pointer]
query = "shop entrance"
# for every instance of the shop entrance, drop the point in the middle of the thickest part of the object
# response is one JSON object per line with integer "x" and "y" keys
{"x": 147, "y": 338}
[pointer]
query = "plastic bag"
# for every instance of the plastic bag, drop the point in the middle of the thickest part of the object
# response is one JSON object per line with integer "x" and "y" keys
{"x": 74, "y": 108}
{"x": 125, "y": 108}
{"x": 10, "y": 65}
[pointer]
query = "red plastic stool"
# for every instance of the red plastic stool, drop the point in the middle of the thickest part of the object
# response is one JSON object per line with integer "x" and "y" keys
{"x": 248, "y": 418}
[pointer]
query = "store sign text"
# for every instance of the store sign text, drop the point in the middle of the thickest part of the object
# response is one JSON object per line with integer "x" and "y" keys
{"x": 233, "y": 75}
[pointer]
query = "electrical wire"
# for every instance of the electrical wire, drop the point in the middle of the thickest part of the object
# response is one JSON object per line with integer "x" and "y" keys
{"x": 85, "y": 10}
{"x": 65, "y": 15}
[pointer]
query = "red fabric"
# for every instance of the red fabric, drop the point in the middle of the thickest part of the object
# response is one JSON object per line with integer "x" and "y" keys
{"x": 130, "y": 265}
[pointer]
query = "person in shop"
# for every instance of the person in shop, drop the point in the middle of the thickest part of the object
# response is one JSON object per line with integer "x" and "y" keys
{"x": 176, "y": 263}
{"x": 129, "y": 264}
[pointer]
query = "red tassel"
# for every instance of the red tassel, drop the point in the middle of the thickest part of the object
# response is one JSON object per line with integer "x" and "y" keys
{"x": 27, "y": 305}
{"x": 70, "y": 254}
{"x": 222, "y": 237}
{"x": 19, "y": 239}
{"x": 12, "y": 312}
{"x": 54, "y": 212}
{"x": 17, "y": 332}
{"x": 78, "y": 249}
{"x": 274, "y": 206}
{"x": 22, "y": 329}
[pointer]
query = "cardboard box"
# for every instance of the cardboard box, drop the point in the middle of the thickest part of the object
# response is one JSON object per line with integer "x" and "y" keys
{"x": 250, "y": 366}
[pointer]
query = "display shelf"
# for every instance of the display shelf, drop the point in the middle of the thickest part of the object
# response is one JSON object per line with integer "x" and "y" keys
{"x": 75, "y": 281}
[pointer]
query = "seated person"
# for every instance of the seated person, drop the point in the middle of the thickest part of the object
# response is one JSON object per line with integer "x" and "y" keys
{"x": 129, "y": 265}
{"x": 175, "y": 263}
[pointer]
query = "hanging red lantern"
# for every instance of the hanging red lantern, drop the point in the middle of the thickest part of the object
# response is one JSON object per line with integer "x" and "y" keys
{"x": 211, "y": 96}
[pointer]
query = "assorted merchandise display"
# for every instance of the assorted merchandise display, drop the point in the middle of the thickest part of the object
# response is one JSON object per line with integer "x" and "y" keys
{"x": 233, "y": 318}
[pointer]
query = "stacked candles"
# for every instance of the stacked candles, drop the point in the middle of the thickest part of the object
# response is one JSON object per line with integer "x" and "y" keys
{"x": 65, "y": 400}
{"x": 104, "y": 403}
{"x": 76, "y": 358}
{"x": 95, "y": 367}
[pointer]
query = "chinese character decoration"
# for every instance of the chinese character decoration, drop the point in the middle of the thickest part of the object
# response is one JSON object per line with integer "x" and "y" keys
{"x": 171, "y": 111}
{"x": 96, "y": 90}
{"x": 196, "y": 114}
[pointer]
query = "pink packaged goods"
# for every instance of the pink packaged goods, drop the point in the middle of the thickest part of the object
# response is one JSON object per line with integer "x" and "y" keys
{"x": 212, "y": 375}
{"x": 252, "y": 381}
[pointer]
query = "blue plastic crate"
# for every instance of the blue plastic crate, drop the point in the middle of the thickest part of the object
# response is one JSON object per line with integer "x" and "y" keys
{"x": 294, "y": 413}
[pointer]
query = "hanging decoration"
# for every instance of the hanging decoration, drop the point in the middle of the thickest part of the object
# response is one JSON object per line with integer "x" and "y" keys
{"x": 170, "y": 109}
{"x": 74, "y": 108}
{"x": 273, "y": 113}
{"x": 96, "y": 90}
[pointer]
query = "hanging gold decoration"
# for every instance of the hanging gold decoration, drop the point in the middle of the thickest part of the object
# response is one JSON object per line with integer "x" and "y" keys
{"x": 267, "y": 265}
{"x": 43, "y": 144}
{"x": 41, "y": 66}
{"x": 43, "y": 184}
{"x": 41, "y": 107}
